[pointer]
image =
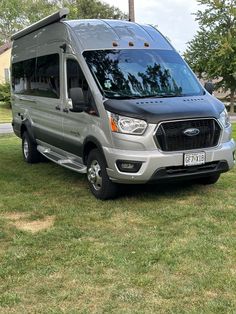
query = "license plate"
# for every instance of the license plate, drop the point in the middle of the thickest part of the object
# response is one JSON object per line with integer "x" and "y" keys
{"x": 194, "y": 159}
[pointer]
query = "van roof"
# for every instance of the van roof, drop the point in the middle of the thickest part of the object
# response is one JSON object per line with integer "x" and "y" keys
{"x": 107, "y": 34}
{"x": 102, "y": 34}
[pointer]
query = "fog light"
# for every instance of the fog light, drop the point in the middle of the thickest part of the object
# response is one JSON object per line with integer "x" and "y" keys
{"x": 128, "y": 166}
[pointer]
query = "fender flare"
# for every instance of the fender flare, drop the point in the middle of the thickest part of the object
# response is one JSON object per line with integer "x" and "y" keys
{"x": 26, "y": 125}
{"x": 90, "y": 143}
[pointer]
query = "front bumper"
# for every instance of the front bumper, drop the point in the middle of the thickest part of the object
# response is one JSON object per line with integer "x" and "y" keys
{"x": 155, "y": 161}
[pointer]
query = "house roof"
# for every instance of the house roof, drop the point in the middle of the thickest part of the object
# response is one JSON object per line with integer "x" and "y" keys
{"x": 5, "y": 47}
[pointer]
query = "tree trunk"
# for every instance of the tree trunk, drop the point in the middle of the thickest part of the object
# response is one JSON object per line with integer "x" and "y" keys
{"x": 232, "y": 92}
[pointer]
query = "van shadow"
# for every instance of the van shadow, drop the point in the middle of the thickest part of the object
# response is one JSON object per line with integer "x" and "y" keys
{"x": 131, "y": 190}
{"x": 157, "y": 189}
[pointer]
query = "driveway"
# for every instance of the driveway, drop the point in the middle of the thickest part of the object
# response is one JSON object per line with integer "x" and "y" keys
{"x": 5, "y": 128}
{"x": 233, "y": 118}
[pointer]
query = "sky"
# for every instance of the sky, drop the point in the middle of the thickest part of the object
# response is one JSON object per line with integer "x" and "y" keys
{"x": 172, "y": 17}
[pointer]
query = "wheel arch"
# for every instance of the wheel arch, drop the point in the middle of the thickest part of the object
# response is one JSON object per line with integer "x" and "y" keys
{"x": 27, "y": 127}
{"x": 91, "y": 143}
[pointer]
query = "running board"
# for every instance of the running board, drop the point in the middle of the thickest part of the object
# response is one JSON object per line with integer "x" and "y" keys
{"x": 68, "y": 162}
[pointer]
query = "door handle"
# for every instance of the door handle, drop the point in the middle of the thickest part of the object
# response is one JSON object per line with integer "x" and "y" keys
{"x": 58, "y": 108}
{"x": 27, "y": 99}
{"x": 65, "y": 110}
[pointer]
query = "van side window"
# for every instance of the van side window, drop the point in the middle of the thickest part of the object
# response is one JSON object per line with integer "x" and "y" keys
{"x": 48, "y": 76}
{"x": 37, "y": 76}
{"x": 23, "y": 76}
{"x": 76, "y": 78}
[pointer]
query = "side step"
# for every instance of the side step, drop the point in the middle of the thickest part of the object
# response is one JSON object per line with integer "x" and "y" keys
{"x": 68, "y": 162}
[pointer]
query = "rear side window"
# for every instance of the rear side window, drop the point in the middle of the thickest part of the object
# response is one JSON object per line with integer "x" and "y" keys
{"x": 37, "y": 77}
{"x": 23, "y": 76}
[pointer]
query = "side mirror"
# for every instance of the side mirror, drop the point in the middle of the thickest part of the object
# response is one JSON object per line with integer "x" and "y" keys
{"x": 209, "y": 87}
{"x": 78, "y": 101}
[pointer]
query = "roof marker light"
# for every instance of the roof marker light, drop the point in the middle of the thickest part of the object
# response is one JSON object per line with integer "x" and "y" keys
{"x": 131, "y": 44}
{"x": 114, "y": 44}
{"x": 146, "y": 45}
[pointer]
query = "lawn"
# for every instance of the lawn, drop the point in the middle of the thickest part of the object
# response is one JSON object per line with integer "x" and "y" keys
{"x": 5, "y": 113}
{"x": 156, "y": 249}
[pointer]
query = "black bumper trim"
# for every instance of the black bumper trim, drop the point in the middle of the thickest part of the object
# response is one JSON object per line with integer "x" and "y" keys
{"x": 179, "y": 173}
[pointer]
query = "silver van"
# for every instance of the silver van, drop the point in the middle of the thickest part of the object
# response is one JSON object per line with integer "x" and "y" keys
{"x": 113, "y": 99}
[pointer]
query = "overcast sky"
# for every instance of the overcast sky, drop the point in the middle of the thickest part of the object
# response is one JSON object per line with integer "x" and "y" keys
{"x": 173, "y": 17}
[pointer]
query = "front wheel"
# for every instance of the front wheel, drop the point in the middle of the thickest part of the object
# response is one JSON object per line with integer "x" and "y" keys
{"x": 99, "y": 183}
{"x": 29, "y": 149}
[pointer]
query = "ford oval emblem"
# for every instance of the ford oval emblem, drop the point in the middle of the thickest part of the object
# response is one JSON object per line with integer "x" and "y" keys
{"x": 191, "y": 132}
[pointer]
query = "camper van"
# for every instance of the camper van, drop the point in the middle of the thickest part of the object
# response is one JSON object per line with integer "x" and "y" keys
{"x": 114, "y": 100}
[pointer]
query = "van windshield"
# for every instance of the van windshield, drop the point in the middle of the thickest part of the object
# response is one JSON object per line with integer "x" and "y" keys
{"x": 140, "y": 73}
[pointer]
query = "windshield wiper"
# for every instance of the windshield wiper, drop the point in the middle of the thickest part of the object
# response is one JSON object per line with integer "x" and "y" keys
{"x": 169, "y": 95}
{"x": 116, "y": 95}
{"x": 157, "y": 96}
{"x": 122, "y": 97}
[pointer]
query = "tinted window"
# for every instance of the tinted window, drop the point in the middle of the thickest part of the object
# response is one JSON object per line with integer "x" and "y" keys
{"x": 38, "y": 77}
{"x": 23, "y": 76}
{"x": 75, "y": 76}
{"x": 142, "y": 73}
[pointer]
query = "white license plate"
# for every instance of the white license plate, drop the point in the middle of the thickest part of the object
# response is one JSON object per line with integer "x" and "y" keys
{"x": 194, "y": 159}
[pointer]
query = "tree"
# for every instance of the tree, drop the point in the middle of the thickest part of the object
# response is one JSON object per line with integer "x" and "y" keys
{"x": 93, "y": 9}
{"x": 16, "y": 14}
{"x": 5, "y": 93}
{"x": 11, "y": 19}
{"x": 212, "y": 52}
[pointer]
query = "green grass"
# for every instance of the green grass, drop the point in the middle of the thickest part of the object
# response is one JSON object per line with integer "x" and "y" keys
{"x": 5, "y": 113}
{"x": 156, "y": 249}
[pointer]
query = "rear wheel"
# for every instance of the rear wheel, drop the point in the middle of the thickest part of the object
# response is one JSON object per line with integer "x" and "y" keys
{"x": 100, "y": 184}
{"x": 29, "y": 149}
{"x": 212, "y": 179}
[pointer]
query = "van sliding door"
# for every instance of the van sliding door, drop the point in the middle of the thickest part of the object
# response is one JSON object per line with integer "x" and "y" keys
{"x": 47, "y": 111}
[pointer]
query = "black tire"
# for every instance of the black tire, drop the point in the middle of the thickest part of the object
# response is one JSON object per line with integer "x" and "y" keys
{"x": 212, "y": 179}
{"x": 29, "y": 150}
{"x": 99, "y": 183}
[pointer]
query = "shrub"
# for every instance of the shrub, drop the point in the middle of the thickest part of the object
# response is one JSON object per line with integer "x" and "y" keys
{"x": 5, "y": 93}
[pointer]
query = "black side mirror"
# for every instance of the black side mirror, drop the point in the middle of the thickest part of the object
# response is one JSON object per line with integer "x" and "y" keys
{"x": 209, "y": 87}
{"x": 78, "y": 101}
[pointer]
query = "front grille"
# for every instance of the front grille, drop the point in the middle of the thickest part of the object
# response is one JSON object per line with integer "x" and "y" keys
{"x": 171, "y": 137}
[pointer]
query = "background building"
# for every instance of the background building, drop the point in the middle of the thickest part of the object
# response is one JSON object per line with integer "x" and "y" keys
{"x": 5, "y": 57}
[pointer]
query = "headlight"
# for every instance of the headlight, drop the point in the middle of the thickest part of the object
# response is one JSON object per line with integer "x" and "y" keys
{"x": 126, "y": 125}
{"x": 224, "y": 119}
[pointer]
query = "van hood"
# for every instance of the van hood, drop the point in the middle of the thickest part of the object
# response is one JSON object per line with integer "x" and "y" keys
{"x": 155, "y": 110}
